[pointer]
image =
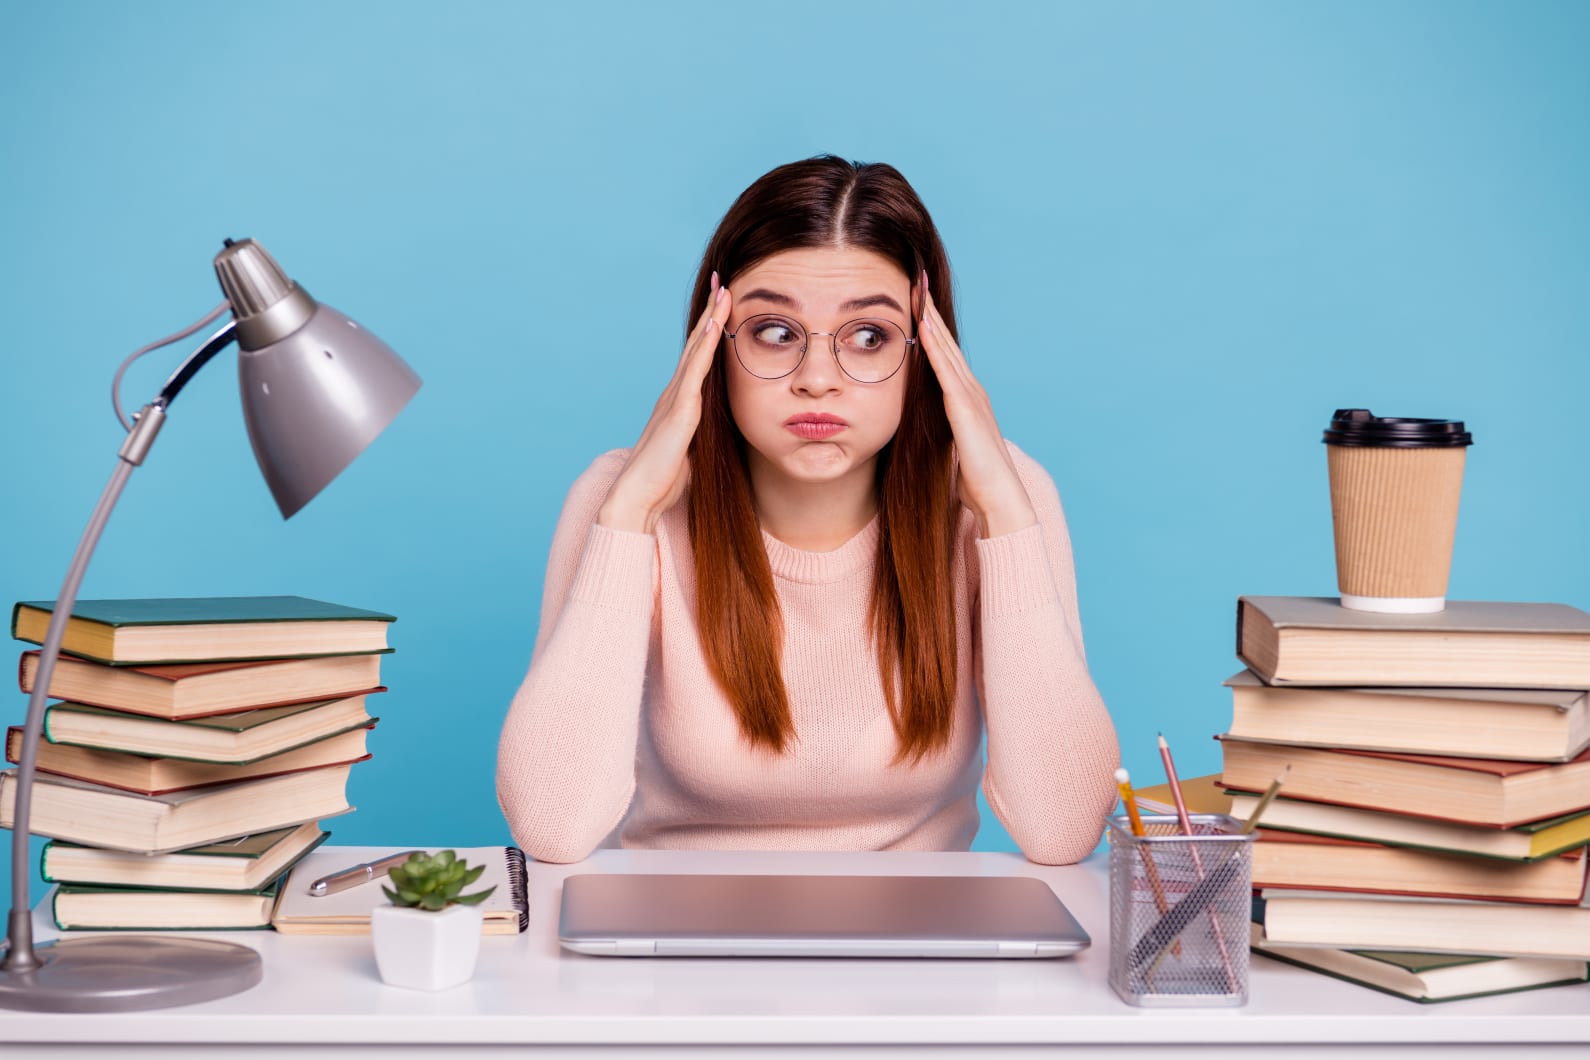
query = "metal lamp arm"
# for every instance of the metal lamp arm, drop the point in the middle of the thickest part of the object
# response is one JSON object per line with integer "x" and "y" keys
{"x": 196, "y": 360}
{"x": 20, "y": 956}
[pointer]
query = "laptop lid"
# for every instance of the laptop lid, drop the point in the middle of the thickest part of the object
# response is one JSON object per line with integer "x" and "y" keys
{"x": 623, "y": 914}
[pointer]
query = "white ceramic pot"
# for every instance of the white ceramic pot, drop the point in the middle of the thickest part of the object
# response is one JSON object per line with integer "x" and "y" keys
{"x": 422, "y": 950}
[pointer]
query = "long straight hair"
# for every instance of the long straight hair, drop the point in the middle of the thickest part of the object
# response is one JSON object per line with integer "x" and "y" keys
{"x": 829, "y": 202}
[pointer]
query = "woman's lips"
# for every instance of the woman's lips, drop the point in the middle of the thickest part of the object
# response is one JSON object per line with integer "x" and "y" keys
{"x": 815, "y": 426}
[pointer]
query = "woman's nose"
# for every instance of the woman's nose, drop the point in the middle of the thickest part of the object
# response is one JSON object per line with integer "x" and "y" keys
{"x": 819, "y": 371}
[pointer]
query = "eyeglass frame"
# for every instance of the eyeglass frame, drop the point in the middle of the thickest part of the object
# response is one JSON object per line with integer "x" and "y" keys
{"x": 833, "y": 346}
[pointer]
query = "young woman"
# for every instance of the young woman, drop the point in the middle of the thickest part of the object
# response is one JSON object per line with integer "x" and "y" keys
{"x": 787, "y": 617}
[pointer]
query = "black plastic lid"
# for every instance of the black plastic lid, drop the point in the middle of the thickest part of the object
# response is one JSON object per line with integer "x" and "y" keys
{"x": 1360, "y": 427}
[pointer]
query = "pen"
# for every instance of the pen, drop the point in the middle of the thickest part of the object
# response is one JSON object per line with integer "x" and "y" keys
{"x": 1198, "y": 866}
{"x": 352, "y": 877}
{"x": 1154, "y": 941}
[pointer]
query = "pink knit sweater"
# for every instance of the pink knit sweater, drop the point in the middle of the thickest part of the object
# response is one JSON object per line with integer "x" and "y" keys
{"x": 620, "y": 736}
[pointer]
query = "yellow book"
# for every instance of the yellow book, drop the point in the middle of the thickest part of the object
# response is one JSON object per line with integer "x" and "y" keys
{"x": 1202, "y": 794}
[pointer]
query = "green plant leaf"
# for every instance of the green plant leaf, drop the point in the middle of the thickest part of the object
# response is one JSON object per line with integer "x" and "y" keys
{"x": 476, "y": 898}
{"x": 434, "y": 881}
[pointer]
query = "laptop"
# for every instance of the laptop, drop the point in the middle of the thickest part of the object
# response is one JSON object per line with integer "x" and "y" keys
{"x": 641, "y": 915}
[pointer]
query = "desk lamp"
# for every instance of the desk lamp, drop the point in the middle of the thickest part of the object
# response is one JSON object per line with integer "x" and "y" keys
{"x": 317, "y": 388}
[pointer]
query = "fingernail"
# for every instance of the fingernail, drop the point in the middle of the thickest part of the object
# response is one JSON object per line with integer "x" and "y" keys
{"x": 714, "y": 281}
{"x": 717, "y": 299}
{"x": 924, "y": 280}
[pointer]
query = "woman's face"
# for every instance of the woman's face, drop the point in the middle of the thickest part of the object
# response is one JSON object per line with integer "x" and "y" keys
{"x": 817, "y": 424}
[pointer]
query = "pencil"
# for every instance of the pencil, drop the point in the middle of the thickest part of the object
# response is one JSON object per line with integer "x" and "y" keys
{"x": 1264, "y": 801}
{"x": 1123, "y": 783}
{"x": 1198, "y": 866}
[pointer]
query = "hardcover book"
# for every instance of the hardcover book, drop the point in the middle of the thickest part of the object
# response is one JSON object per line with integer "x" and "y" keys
{"x": 158, "y": 824}
{"x": 1543, "y": 725}
{"x": 192, "y": 690}
{"x": 1313, "y": 640}
{"x": 246, "y": 863}
{"x": 1479, "y": 791}
{"x": 1525, "y": 842}
{"x": 229, "y": 738}
{"x": 148, "y": 775}
{"x": 206, "y": 629}
{"x": 1348, "y": 921}
{"x": 1290, "y": 859}
{"x": 120, "y": 909}
{"x": 1429, "y": 977}
{"x": 1203, "y": 794}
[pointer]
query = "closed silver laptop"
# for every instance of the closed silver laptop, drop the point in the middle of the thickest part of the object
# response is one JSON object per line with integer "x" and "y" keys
{"x": 635, "y": 915}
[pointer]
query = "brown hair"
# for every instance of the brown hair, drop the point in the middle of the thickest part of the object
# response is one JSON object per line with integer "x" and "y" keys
{"x": 824, "y": 202}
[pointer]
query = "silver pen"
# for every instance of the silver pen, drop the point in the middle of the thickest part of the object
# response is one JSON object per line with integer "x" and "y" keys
{"x": 341, "y": 881}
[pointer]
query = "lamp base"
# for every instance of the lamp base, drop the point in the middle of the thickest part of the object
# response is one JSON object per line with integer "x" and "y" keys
{"x": 127, "y": 973}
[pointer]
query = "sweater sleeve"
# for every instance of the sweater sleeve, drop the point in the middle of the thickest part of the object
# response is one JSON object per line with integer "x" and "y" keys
{"x": 1052, "y": 749}
{"x": 566, "y": 759}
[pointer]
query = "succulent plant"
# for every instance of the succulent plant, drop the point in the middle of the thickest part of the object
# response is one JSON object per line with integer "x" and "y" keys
{"x": 434, "y": 882}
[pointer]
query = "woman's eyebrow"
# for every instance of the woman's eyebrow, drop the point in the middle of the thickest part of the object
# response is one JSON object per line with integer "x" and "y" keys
{"x": 870, "y": 301}
{"x": 769, "y": 296}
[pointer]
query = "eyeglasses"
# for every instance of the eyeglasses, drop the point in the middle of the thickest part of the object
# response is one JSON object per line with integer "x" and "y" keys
{"x": 770, "y": 346}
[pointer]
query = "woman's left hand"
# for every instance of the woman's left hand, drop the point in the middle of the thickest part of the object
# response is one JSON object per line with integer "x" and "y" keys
{"x": 989, "y": 484}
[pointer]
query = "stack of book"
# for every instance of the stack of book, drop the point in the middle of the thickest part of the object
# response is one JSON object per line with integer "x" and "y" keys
{"x": 196, "y": 746}
{"x": 1430, "y": 838}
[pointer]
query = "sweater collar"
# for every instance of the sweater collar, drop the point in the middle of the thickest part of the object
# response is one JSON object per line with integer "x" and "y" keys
{"x": 817, "y": 568}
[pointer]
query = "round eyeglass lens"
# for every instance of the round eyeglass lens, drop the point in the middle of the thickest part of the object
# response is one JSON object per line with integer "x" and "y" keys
{"x": 769, "y": 346}
{"x": 870, "y": 351}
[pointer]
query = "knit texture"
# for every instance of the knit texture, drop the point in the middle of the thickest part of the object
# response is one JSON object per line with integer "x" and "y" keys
{"x": 620, "y": 736}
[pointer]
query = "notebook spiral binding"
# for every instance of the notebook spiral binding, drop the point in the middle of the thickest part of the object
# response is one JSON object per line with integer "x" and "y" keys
{"x": 518, "y": 886}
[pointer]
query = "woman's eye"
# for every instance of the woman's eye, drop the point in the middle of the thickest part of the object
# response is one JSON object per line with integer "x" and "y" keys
{"x": 775, "y": 334}
{"x": 867, "y": 338}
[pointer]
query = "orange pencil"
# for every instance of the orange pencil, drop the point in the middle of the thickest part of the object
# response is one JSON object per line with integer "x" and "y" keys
{"x": 1123, "y": 783}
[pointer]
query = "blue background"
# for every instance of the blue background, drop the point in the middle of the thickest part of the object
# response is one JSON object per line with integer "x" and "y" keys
{"x": 1182, "y": 234}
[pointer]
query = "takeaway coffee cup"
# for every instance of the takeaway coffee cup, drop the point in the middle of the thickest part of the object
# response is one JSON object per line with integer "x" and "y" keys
{"x": 1394, "y": 504}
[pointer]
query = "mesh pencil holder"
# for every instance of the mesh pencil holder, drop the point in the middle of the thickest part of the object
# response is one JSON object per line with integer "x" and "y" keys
{"x": 1179, "y": 911}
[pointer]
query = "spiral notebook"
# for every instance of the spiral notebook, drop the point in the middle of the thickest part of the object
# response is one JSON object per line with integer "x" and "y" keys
{"x": 297, "y": 912}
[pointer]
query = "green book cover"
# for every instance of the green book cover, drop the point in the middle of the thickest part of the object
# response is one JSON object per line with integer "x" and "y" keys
{"x": 132, "y": 893}
{"x": 1559, "y": 834}
{"x": 249, "y": 847}
{"x": 136, "y": 898}
{"x": 243, "y": 722}
{"x": 1424, "y": 962}
{"x": 240, "y": 722}
{"x": 1415, "y": 964}
{"x": 205, "y": 610}
{"x": 169, "y": 630}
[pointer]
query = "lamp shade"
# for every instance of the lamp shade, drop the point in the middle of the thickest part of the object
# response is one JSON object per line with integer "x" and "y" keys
{"x": 316, "y": 387}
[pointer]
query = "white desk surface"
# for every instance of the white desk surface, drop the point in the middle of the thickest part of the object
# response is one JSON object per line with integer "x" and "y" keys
{"x": 322, "y": 996}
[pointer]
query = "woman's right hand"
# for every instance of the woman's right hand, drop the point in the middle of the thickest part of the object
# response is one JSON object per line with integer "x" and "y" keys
{"x": 653, "y": 478}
